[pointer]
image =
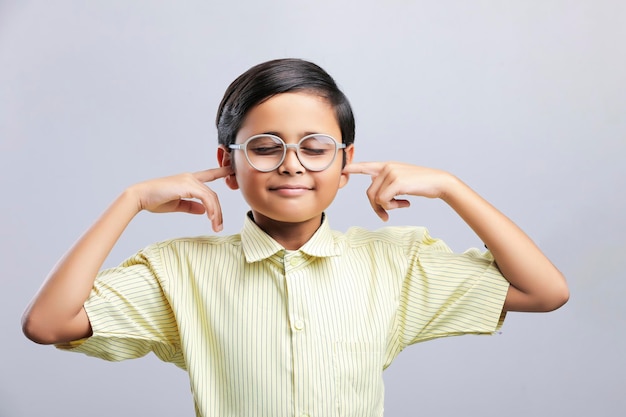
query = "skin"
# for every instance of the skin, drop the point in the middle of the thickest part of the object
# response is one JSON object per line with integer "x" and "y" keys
{"x": 536, "y": 284}
{"x": 287, "y": 204}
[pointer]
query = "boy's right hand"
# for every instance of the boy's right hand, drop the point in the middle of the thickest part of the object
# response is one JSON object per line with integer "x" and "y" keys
{"x": 56, "y": 314}
{"x": 176, "y": 194}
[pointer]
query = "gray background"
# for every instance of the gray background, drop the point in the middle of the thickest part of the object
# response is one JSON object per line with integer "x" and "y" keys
{"x": 524, "y": 100}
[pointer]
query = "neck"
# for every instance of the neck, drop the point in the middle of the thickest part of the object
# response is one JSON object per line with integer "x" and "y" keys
{"x": 290, "y": 235}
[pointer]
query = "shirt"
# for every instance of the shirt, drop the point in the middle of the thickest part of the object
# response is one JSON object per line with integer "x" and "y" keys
{"x": 267, "y": 332}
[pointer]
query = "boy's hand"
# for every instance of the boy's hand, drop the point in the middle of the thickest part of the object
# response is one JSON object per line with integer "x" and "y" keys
{"x": 176, "y": 194}
{"x": 393, "y": 179}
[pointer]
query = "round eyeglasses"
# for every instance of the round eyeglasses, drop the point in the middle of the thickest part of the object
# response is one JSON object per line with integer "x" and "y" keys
{"x": 267, "y": 152}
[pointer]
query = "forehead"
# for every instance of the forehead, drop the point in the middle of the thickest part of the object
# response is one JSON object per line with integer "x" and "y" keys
{"x": 291, "y": 116}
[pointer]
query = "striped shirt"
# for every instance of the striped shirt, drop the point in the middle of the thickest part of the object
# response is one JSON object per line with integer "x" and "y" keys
{"x": 267, "y": 332}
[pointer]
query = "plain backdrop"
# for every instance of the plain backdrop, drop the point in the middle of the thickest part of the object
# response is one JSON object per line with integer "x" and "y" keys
{"x": 523, "y": 100}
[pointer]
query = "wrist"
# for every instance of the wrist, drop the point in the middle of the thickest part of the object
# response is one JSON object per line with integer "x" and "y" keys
{"x": 131, "y": 199}
{"x": 451, "y": 187}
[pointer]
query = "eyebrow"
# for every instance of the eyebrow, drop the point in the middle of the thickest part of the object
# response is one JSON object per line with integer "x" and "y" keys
{"x": 302, "y": 134}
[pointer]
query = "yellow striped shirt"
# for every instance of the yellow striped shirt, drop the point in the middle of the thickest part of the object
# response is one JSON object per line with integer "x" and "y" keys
{"x": 268, "y": 332}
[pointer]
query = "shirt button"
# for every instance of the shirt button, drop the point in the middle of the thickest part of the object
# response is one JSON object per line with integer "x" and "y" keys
{"x": 298, "y": 325}
{"x": 293, "y": 261}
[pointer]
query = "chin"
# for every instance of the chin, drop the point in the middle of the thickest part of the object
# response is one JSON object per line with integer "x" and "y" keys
{"x": 291, "y": 217}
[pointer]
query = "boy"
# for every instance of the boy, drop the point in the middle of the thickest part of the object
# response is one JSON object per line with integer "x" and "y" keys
{"x": 288, "y": 317}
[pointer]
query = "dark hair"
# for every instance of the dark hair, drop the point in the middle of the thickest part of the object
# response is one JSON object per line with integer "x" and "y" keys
{"x": 270, "y": 78}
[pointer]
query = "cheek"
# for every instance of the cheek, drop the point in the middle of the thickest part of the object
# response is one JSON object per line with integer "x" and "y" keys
{"x": 240, "y": 164}
{"x": 332, "y": 182}
{"x": 249, "y": 179}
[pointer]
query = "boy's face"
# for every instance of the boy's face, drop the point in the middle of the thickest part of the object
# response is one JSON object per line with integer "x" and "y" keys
{"x": 289, "y": 193}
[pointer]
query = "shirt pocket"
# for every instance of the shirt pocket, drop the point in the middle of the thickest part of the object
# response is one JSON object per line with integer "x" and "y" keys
{"x": 359, "y": 379}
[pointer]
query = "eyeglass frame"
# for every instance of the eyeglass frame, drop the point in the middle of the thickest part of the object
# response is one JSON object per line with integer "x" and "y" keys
{"x": 286, "y": 146}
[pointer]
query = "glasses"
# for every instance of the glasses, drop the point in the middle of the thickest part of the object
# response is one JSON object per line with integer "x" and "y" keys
{"x": 267, "y": 152}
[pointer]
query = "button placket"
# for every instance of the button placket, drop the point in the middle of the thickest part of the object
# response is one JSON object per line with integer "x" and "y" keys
{"x": 298, "y": 325}
{"x": 297, "y": 288}
{"x": 292, "y": 261}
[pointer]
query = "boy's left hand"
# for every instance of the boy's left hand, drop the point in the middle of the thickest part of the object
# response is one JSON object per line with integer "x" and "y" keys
{"x": 393, "y": 179}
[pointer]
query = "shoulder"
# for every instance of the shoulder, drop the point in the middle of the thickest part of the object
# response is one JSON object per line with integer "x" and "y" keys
{"x": 198, "y": 241}
{"x": 181, "y": 256}
{"x": 184, "y": 247}
{"x": 396, "y": 236}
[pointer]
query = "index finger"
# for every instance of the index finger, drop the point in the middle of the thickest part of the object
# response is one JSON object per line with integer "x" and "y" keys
{"x": 368, "y": 168}
{"x": 213, "y": 173}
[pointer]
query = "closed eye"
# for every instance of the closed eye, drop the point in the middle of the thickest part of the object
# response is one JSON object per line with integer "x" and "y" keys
{"x": 314, "y": 151}
{"x": 267, "y": 150}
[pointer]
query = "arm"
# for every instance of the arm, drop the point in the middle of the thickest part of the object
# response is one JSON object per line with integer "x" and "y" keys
{"x": 536, "y": 284}
{"x": 56, "y": 313}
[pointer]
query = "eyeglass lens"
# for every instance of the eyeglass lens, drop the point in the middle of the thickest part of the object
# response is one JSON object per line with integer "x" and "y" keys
{"x": 315, "y": 152}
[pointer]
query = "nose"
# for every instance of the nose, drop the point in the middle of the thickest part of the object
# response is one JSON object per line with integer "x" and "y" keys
{"x": 291, "y": 164}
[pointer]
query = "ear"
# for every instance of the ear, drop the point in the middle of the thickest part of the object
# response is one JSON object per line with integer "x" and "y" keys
{"x": 224, "y": 158}
{"x": 349, "y": 152}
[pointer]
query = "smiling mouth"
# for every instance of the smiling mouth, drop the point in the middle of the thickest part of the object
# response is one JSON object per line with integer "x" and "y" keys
{"x": 290, "y": 187}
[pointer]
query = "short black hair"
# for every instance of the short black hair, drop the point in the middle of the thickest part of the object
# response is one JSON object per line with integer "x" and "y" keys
{"x": 270, "y": 78}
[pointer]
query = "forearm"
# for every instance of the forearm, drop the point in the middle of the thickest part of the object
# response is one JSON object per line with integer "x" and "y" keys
{"x": 536, "y": 284}
{"x": 56, "y": 312}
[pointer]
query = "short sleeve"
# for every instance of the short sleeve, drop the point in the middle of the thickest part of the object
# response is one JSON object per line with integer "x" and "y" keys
{"x": 129, "y": 314}
{"x": 448, "y": 294}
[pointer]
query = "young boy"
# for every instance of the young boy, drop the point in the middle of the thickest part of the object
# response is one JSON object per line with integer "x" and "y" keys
{"x": 288, "y": 318}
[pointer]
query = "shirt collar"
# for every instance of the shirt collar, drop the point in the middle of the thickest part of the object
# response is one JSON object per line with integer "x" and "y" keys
{"x": 258, "y": 245}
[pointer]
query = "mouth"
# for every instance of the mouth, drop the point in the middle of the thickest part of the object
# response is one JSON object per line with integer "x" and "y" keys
{"x": 290, "y": 190}
{"x": 290, "y": 187}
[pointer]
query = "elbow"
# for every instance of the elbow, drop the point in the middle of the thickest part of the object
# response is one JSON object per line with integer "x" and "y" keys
{"x": 559, "y": 298}
{"x": 554, "y": 299}
{"x": 30, "y": 330}
{"x": 559, "y": 293}
{"x": 35, "y": 330}
{"x": 541, "y": 301}
{"x": 43, "y": 327}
